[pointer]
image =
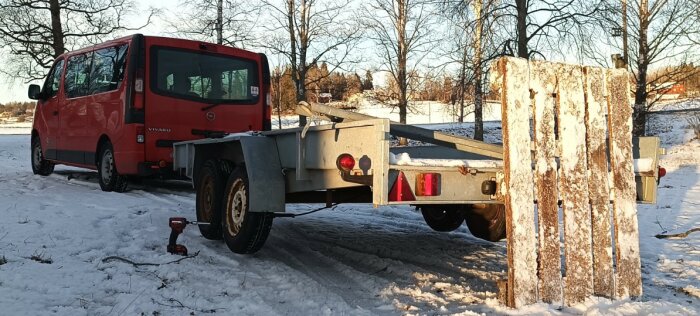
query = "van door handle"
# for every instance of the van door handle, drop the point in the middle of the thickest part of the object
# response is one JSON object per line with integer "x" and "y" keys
{"x": 55, "y": 113}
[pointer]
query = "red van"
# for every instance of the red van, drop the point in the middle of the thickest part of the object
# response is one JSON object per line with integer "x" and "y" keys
{"x": 118, "y": 107}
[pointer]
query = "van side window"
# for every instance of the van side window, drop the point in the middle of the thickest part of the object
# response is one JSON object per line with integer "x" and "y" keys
{"x": 77, "y": 75}
{"x": 108, "y": 67}
{"x": 53, "y": 80}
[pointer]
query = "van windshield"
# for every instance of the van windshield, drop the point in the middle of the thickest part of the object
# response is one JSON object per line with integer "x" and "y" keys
{"x": 204, "y": 77}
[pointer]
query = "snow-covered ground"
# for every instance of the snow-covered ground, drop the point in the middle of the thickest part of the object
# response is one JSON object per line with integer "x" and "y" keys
{"x": 15, "y": 128}
{"x": 353, "y": 260}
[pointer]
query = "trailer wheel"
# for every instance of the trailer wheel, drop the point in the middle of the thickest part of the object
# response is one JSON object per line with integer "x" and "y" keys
{"x": 40, "y": 165}
{"x": 244, "y": 232}
{"x": 486, "y": 221}
{"x": 110, "y": 179}
{"x": 210, "y": 191}
{"x": 442, "y": 218}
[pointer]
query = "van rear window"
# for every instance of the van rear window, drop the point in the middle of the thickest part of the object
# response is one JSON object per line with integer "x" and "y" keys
{"x": 204, "y": 77}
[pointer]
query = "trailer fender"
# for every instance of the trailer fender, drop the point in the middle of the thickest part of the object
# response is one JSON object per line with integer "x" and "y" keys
{"x": 265, "y": 178}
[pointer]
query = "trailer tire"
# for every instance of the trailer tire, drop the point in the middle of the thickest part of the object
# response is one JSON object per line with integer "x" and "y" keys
{"x": 442, "y": 218}
{"x": 244, "y": 232}
{"x": 486, "y": 221}
{"x": 40, "y": 165}
{"x": 210, "y": 191}
{"x": 109, "y": 178}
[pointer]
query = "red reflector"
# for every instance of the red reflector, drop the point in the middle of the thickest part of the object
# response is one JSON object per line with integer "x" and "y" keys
{"x": 162, "y": 163}
{"x": 428, "y": 184}
{"x": 662, "y": 172}
{"x": 401, "y": 191}
{"x": 345, "y": 162}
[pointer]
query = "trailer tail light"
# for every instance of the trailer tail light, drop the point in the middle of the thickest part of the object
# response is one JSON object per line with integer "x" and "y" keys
{"x": 140, "y": 134}
{"x": 138, "y": 89}
{"x": 345, "y": 162}
{"x": 428, "y": 184}
{"x": 401, "y": 191}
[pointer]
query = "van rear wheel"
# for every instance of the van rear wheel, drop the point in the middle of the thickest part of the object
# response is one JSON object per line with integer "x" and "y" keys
{"x": 40, "y": 165}
{"x": 110, "y": 179}
{"x": 244, "y": 231}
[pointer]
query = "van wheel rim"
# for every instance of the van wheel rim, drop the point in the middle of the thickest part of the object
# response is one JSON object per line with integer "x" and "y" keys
{"x": 37, "y": 154}
{"x": 238, "y": 203}
{"x": 106, "y": 166}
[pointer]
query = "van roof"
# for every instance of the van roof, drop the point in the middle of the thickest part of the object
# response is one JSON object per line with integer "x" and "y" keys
{"x": 128, "y": 38}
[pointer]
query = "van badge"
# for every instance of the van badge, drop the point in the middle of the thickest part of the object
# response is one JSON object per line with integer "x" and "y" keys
{"x": 211, "y": 116}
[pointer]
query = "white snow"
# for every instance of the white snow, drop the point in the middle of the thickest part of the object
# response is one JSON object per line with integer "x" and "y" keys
{"x": 404, "y": 159}
{"x": 354, "y": 260}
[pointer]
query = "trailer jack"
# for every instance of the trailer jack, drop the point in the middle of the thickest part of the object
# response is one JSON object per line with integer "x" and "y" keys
{"x": 177, "y": 226}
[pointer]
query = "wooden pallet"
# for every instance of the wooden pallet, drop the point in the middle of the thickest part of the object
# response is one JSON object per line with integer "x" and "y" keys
{"x": 564, "y": 108}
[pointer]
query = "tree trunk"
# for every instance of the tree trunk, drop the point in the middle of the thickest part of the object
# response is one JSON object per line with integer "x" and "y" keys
{"x": 521, "y": 6}
{"x": 56, "y": 28}
{"x": 640, "y": 95}
{"x": 219, "y": 22}
{"x": 478, "y": 91}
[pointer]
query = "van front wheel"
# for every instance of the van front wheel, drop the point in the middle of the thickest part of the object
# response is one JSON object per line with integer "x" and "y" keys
{"x": 110, "y": 179}
{"x": 40, "y": 165}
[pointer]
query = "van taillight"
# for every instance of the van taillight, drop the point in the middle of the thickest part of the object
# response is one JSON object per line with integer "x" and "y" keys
{"x": 140, "y": 134}
{"x": 138, "y": 90}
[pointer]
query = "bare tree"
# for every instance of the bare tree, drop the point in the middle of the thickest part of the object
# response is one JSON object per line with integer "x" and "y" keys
{"x": 662, "y": 33}
{"x": 540, "y": 25}
{"x": 310, "y": 32}
{"x": 402, "y": 32}
{"x": 37, "y": 31}
{"x": 228, "y": 22}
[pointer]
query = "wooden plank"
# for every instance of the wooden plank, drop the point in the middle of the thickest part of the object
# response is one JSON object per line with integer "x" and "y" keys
{"x": 574, "y": 185}
{"x": 598, "y": 189}
{"x": 628, "y": 276}
{"x": 543, "y": 84}
{"x": 520, "y": 214}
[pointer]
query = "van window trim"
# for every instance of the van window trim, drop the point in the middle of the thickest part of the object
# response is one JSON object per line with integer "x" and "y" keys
{"x": 153, "y": 52}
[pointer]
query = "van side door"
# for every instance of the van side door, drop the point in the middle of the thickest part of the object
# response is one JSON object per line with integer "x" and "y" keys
{"x": 74, "y": 109}
{"x": 47, "y": 114}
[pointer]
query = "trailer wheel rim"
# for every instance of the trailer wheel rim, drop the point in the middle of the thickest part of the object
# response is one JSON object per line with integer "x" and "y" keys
{"x": 237, "y": 206}
{"x": 106, "y": 166}
{"x": 207, "y": 199}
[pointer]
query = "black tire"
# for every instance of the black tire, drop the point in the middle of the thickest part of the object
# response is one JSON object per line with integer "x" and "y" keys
{"x": 244, "y": 232}
{"x": 110, "y": 179}
{"x": 211, "y": 183}
{"x": 442, "y": 218}
{"x": 486, "y": 221}
{"x": 40, "y": 165}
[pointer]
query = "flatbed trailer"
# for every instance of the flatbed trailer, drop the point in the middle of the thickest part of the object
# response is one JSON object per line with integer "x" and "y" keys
{"x": 243, "y": 181}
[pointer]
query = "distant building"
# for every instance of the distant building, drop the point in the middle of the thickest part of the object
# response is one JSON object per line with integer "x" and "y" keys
{"x": 668, "y": 91}
{"x": 325, "y": 97}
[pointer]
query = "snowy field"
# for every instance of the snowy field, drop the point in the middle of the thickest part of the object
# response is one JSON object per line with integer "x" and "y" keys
{"x": 56, "y": 231}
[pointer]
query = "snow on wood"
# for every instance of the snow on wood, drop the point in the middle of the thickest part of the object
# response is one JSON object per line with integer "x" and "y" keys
{"x": 520, "y": 217}
{"x": 628, "y": 277}
{"x": 598, "y": 190}
{"x": 543, "y": 87}
{"x": 574, "y": 185}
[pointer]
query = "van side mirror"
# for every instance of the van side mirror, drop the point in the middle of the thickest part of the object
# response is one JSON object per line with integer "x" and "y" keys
{"x": 34, "y": 92}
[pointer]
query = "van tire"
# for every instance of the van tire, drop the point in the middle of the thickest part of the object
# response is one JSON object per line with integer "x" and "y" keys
{"x": 209, "y": 199}
{"x": 442, "y": 218}
{"x": 110, "y": 179}
{"x": 244, "y": 232}
{"x": 40, "y": 165}
{"x": 486, "y": 221}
